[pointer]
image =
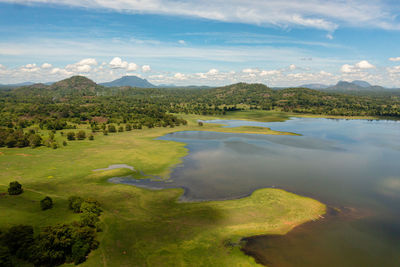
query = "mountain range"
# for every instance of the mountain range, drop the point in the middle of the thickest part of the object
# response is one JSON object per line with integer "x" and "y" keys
{"x": 134, "y": 81}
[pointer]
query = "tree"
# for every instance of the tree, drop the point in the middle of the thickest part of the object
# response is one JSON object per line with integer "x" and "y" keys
{"x": 81, "y": 135}
{"x": 35, "y": 140}
{"x": 111, "y": 128}
{"x": 15, "y": 188}
{"x": 46, "y": 203}
{"x": 5, "y": 257}
{"x": 120, "y": 129}
{"x": 18, "y": 240}
{"x": 74, "y": 203}
{"x": 128, "y": 127}
{"x": 71, "y": 136}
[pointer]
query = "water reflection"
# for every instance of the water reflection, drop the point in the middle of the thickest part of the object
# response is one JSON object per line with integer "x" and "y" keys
{"x": 352, "y": 163}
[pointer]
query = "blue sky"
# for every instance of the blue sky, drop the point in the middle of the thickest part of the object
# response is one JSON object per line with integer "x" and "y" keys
{"x": 276, "y": 42}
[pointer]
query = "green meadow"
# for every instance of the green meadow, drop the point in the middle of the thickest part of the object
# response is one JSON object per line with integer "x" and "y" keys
{"x": 142, "y": 227}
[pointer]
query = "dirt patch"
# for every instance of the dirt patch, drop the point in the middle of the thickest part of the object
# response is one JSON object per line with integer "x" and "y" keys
{"x": 1, "y": 153}
{"x": 24, "y": 155}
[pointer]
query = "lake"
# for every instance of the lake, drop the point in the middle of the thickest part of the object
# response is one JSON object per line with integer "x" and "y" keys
{"x": 351, "y": 165}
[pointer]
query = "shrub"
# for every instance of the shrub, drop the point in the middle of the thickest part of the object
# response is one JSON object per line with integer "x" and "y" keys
{"x": 46, "y": 203}
{"x": 200, "y": 123}
{"x": 18, "y": 240}
{"x": 15, "y": 188}
{"x": 65, "y": 143}
{"x": 74, "y": 203}
{"x": 128, "y": 127}
{"x": 112, "y": 129}
{"x": 71, "y": 136}
{"x": 81, "y": 135}
{"x": 91, "y": 137}
{"x": 5, "y": 257}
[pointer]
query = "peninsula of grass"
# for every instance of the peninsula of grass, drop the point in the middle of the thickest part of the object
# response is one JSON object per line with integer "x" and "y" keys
{"x": 143, "y": 227}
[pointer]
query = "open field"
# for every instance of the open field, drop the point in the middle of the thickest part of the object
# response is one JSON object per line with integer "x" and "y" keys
{"x": 143, "y": 227}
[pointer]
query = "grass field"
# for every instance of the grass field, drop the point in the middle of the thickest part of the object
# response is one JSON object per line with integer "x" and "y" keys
{"x": 143, "y": 227}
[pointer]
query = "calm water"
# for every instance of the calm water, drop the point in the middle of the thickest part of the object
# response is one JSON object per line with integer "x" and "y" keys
{"x": 353, "y": 165}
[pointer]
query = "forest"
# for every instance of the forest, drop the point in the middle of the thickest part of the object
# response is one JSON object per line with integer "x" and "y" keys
{"x": 78, "y": 100}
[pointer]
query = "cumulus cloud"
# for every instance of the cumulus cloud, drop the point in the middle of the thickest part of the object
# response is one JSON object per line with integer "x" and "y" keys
{"x": 180, "y": 76}
{"x": 292, "y": 67}
{"x": 362, "y": 65}
{"x": 250, "y": 70}
{"x": 395, "y": 69}
{"x": 83, "y": 66}
{"x": 212, "y": 72}
{"x": 394, "y": 59}
{"x": 132, "y": 67}
{"x": 46, "y": 66}
{"x": 117, "y": 63}
{"x": 146, "y": 68}
{"x": 182, "y": 42}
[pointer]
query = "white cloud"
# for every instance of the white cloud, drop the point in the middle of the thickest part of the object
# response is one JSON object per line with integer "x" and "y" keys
{"x": 319, "y": 14}
{"x": 250, "y": 70}
{"x": 346, "y": 68}
{"x": 394, "y": 59}
{"x": 132, "y": 67}
{"x": 269, "y": 72}
{"x": 180, "y": 76}
{"x": 87, "y": 61}
{"x": 395, "y": 69}
{"x": 292, "y": 67}
{"x": 212, "y": 72}
{"x": 82, "y": 66}
{"x": 117, "y": 63}
{"x": 46, "y": 66}
{"x": 2, "y": 67}
{"x": 364, "y": 65}
{"x": 329, "y": 36}
{"x": 182, "y": 42}
{"x": 146, "y": 68}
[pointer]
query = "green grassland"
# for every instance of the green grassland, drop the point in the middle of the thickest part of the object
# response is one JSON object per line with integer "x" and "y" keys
{"x": 145, "y": 227}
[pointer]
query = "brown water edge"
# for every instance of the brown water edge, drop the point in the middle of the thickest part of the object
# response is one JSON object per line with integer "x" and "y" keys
{"x": 250, "y": 245}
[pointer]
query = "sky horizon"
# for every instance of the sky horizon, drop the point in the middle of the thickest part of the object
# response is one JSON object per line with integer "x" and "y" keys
{"x": 278, "y": 43}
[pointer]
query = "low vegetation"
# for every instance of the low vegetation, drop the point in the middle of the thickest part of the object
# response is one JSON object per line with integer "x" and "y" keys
{"x": 149, "y": 228}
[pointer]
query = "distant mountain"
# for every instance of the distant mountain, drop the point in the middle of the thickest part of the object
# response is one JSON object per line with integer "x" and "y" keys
{"x": 132, "y": 81}
{"x": 361, "y": 83}
{"x": 343, "y": 86}
{"x": 15, "y": 85}
{"x": 316, "y": 86}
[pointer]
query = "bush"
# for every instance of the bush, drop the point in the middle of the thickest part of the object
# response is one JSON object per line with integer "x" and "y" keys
{"x": 91, "y": 137}
{"x": 46, "y": 203}
{"x": 74, "y": 203}
{"x": 65, "y": 143}
{"x": 120, "y": 129}
{"x": 112, "y": 129}
{"x": 18, "y": 240}
{"x": 5, "y": 257}
{"x": 81, "y": 135}
{"x": 128, "y": 127}
{"x": 15, "y": 188}
{"x": 200, "y": 123}
{"x": 105, "y": 132}
{"x": 71, "y": 136}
